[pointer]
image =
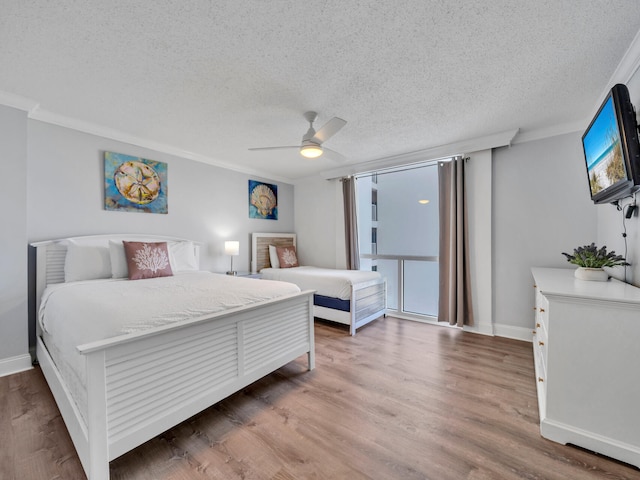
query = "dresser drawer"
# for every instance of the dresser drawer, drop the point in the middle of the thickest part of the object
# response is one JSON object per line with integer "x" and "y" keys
{"x": 540, "y": 338}
{"x": 541, "y": 379}
{"x": 541, "y": 326}
{"x": 542, "y": 310}
{"x": 540, "y": 350}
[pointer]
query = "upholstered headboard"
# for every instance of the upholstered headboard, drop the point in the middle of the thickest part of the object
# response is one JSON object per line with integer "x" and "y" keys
{"x": 260, "y": 247}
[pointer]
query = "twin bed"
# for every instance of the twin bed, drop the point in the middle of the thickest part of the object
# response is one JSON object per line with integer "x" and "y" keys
{"x": 349, "y": 297}
{"x": 128, "y": 359}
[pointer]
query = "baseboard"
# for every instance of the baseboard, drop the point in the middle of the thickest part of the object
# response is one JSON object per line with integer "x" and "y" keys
{"x": 17, "y": 364}
{"x": 497, "y": 330}
{"x": 517, "y": 333}
{"x": 482, "y": 329}
{"x": 568, "y": 434}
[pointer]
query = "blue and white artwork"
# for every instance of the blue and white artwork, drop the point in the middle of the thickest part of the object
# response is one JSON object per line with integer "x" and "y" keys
{"x": 134, "y": 184}
{"x": 263, "y": 200}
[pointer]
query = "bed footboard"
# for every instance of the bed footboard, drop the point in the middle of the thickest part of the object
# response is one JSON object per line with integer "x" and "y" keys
{"x": 369, "y": 301}
{"x": 143, "y": 384}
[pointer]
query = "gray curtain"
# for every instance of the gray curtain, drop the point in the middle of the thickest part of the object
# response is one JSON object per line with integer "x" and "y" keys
{"x": 351, "y": 223}
{"x": 455, "y": 283}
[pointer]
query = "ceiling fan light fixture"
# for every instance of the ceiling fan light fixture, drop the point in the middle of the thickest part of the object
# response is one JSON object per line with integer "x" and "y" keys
{"x": 311, "y": 150}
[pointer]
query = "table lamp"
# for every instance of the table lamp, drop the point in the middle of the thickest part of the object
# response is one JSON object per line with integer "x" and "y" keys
{"x": 232, "y": 248}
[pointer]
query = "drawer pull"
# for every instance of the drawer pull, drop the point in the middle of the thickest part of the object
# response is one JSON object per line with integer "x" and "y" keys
{"x": 541, "y": 343}
{"x": 542, "y": 310}
{"x": 534, "y": 332}
{"x": 540, "y": 379}
{"x": 537, "y": 325}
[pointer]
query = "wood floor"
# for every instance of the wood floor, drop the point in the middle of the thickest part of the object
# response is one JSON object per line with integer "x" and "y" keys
{"x": 400, "y": 400}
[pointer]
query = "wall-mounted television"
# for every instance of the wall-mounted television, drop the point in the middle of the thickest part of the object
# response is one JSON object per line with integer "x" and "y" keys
{"x": 612, "y": 150}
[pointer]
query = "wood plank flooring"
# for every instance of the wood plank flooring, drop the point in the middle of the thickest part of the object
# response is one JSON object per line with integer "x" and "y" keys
{"x": 400, "y": 400}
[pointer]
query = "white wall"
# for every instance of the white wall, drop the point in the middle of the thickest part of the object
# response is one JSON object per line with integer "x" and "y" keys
{"x": 13, "y": 242}
{"x": 479, "y": 184}
{"x": 206, "y": 203}
{"x": 319, "y": 221}
{"x": 541, "y": 208}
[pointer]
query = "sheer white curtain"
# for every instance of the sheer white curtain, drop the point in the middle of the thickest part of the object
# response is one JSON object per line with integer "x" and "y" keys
{"x": 351, "y": 223}
{"x": 454, "y": 304}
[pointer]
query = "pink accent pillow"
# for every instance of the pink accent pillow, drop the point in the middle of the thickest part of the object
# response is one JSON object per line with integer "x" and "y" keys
{"x": 287, "y": 257}
{"x": 147, "y": 259}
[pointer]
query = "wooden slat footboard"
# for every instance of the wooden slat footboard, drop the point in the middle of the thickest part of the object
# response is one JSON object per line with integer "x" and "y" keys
{"x": 139, "y": 387}
{"x": 370, "y": 301}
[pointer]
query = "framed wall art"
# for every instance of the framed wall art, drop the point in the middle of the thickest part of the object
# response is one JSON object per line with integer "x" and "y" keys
{"x": 263, "y": 200}
{"x": 134, "y": 184}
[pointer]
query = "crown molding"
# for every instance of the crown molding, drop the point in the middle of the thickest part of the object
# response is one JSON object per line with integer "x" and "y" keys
{"x": 552, "y": 131}
{"x": 623, "y": 73}
{"x": 101, "y": 131}
{"x": 34, "y": 112}
{"x": 18, "y": 102}
{"x": 626, "y": 69}
{"x": 487, "y": 142}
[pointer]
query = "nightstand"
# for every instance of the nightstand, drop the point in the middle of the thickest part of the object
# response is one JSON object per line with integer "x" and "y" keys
{"x": 245, "y": 274}
{"x": 249, "y": 275}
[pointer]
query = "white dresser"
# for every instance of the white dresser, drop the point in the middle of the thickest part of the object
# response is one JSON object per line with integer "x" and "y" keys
{"x": 586, "y": 348}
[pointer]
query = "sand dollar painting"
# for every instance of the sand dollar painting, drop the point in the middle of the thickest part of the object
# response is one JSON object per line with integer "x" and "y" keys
{"x": 137, "y": 182}
{"x": 134, "y": 184}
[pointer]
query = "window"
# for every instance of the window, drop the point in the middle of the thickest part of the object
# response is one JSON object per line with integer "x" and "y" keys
{"x": 400, "y": 237}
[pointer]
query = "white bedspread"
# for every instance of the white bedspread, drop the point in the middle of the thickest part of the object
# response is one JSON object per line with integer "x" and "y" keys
{"x": 76, "y": 313}
{"x": 325, "y": 281}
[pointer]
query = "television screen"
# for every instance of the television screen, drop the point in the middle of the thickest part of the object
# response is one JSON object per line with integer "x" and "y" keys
{"x": 603, "y": 151}
{"x": 611, "y": 150}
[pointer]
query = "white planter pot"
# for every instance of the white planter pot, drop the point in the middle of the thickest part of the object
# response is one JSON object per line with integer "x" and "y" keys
{"x": 592, "y": 274}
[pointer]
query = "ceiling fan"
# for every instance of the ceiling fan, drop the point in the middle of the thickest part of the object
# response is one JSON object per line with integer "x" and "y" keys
{"x": 311, "y": 146}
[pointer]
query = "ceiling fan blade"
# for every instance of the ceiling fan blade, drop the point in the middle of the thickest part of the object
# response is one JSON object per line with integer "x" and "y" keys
{"x": 276, "y": 148}
{"x": 333, "y": 155}
{"x": 329, "y": 129}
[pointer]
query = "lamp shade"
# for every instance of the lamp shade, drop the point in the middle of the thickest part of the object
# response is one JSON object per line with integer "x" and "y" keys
{"x": 232, "y": 247}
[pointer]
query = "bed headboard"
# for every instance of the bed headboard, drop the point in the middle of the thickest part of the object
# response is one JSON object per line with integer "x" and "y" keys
{"x": 51, "y": 254}
{"x": 260, "y": 247}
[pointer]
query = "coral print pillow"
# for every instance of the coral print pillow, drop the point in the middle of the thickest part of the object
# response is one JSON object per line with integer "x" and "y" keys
{"x": 287, "y": 257}
{"x": 147, "y": 259}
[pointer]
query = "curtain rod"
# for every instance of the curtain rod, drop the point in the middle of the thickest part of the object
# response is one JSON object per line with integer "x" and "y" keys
{"x": 414, "y": 166}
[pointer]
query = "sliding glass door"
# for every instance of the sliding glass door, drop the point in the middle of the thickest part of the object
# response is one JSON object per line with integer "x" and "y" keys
{"x": 398, "y": 235}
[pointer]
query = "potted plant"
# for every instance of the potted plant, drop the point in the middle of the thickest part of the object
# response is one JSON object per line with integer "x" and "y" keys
{"x": 591, "y": 260}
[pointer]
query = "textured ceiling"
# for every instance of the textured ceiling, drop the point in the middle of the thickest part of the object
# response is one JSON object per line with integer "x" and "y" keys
{"x": 214, "y": 78}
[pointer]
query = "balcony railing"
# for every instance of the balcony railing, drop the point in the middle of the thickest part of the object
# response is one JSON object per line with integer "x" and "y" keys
{"x": 412, "y": 283}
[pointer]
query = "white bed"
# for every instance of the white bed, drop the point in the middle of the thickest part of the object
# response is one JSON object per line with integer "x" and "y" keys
{"x": 115, "y": 393}
{"x": 350, "y": 297}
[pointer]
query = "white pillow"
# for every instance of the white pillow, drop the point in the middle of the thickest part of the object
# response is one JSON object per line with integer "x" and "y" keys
{"x": 273, "y": 257}
{"x": 119, "y": 268}
{"x": 182, "y": 256}
{"x": 84, "y": 262}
